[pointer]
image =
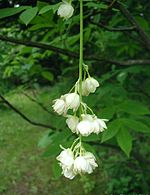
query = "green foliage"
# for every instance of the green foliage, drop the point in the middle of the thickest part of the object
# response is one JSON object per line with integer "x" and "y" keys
{"x": 28, "y": 15}
{"x": 6, "y": 12}
{"x": 124, "y": 140}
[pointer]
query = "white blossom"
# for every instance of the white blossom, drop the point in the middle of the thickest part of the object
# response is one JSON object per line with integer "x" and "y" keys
{"x": 85, "y": 91}
{"x": 88, "y": 117}
{"x": 84, "y": 127}
{"x": 59, "y": 106}
{"x": 85, "y": 163}
{"x": 89, "y": 86}
{"x": 66, "y": 159}
{"x": 65, "y": 10}
{"x": 99, "y": 125}
{"x": 69, "y": 173}
{"x": 90, "y": 124}
{"x": 72, "y": 122}
{"x": 72, "y": 101}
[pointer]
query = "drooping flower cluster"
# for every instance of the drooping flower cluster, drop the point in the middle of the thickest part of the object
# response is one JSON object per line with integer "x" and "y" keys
{"x": 73, "y": 165}
{"x": 76, "y": 160}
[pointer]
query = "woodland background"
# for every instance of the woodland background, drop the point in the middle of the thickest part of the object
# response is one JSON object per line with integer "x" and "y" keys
{"x": 39, "y": 62}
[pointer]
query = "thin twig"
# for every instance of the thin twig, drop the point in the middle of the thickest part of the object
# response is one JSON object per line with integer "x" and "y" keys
{"x": 24, "y": 116}
{"x": 38, "y": 103}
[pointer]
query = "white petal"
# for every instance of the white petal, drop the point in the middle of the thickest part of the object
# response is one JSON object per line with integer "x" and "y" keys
{"x": 84, "y": 128}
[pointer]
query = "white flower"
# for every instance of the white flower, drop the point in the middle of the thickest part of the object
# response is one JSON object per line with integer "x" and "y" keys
{"x": 65, "y": 10}
{"x": 85, "y": 163}
{"x": 91, "y": 160}
{"x": 69, "y": 173}
{"x": 99, "y": 125}
{"x": 84, "y": 127}
{"x": 85, "y": 91}
{"x": 90, "y": 124}
{"x": 72, "y": 122}
{"x": 89, "y": 86}
{"x": 72, "y": 101}
{"x": 87, "y": 117}
{"x": 59, "y": 106}
{"x": 66, "y": 159}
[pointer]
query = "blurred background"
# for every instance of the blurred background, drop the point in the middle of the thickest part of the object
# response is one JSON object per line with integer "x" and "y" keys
{"x": 39, "y": 62}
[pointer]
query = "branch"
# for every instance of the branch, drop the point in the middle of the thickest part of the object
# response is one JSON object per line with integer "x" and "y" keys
{"x": 131, "y": 62}
{"x": 131, "y": 19}
{"x": 75, "y": 55}
{"x": 132, "y": 28}
{"x": 38, "y": 103}
{"x": 39, "y": 45}
{"x": 24, "y": 116}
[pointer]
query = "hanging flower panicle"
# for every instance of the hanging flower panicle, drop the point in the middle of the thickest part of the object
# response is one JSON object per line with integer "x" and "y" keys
{"x": 76, "y": 160}
{"x": 83, "y": 122}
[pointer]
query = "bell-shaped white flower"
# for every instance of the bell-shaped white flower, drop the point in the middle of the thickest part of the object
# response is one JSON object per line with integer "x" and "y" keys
{"x": 72, "y": 101}
{"x": 99, "y": 125}
{"x": 85, "y": 91}
{"x": 84, "y": 127}
{"x": 89, "y": 86}
{"x": 87, "y": 117}
{"x": 91, "y": 159}
{"x": 66, "y": 159}
{"x": 59, "y": 106}
{"x": 72, "y": 122}
{"x": 85, "y": 163}
{"x": 65, "y": 10}
{"x": 69, "y": 173}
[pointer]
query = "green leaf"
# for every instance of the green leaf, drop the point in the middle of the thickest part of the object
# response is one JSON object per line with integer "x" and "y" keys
{"x": 52, "y": 150}
{"x": 28, "y": 15}
{"x": 49, "y": 7}
{"x": 6, "y": 12}
{"x": 113, "y": 128}
{"x": 91, "y": 137}
{"x": 137, "y": 125}
{"x": 56, "y": 170}
{"x": 45, "y": 140}
{"x": 134, "y": 107}
{"x": 124, "y": 140}
{"x": 47, "y": 75}
{"x": 96, "y": 5}
{"x": 108, "y": 112}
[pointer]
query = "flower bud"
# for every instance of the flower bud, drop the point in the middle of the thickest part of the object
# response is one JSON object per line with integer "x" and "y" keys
{"x": 65, "y": 10}
{"x": 84, "y": 127}
{"x": 72, "y": 122}
{"x": 59, "y": 106}
{"x": 72, "y": 101}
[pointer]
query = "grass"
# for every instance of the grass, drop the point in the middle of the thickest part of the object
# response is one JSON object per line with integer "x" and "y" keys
{"x": 23, "y": 170}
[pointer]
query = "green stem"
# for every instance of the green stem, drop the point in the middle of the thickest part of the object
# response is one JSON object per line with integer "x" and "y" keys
{"x": 81, "y": 61}
{"x": 81, "y": 52}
